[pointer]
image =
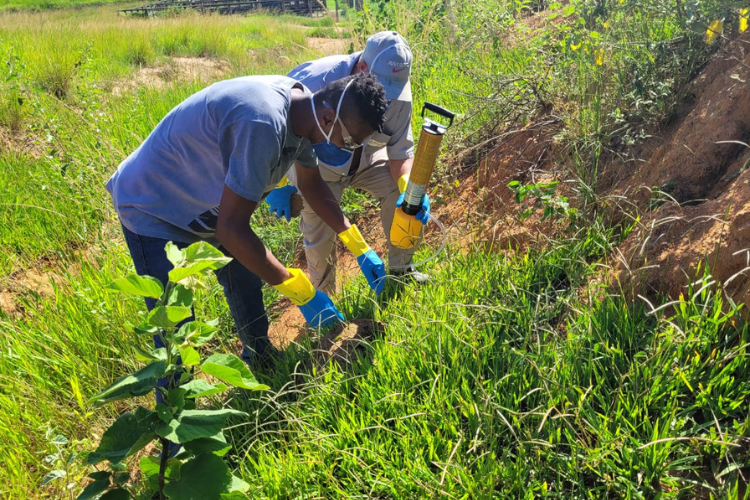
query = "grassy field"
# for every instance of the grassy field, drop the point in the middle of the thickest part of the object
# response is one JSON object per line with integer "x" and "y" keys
{"x": 511, "y": 376}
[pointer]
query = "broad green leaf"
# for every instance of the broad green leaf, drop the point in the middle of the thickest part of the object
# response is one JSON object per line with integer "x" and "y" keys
{"x": 118, "y": 494}
{"x": 164, "y": 413}
{"x": 60, "y": 440}
{"x": 150, "y": 469}
{"x": 129, "y": 434}
{"x": 195, "y": 424}
{"x": 53, "y": 475}
{"x": 150, "y": 354}
{"x": 168, "y": 316}
{"x": 179, "y": 274}
{"x": 196, "y": 333}
{"x": 121, "y": 478}
{"x": 204, "y": 477}
{"x": 136, "y": 384}
{"x": 146, "y": 329}
{"x": 143, "y": 286}
{"x": 176, "y": 398}
{"x": 199, "y": 388}
{"x": 180, "y": 296}
{"x": 193, "y": 282}
{"x": 93, "y": 490}
{"x": 569, "y": 10}
{"x": 174, "y": 254}
{"x": 216, "y": 444}
{"x": 238, "y": 485}
{"x": 232, "y": 370}
{"x": 203, "y": 251}
{"x": 190, "y": 356}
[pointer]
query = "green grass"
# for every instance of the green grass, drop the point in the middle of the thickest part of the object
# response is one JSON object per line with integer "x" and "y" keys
{"x": 65, "y": 66}
{"x": 501, "y": 381}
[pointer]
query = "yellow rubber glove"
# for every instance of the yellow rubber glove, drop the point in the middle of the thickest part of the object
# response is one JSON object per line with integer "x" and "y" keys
{"x": 371, "y": 265}
{"x": 297, "y": 288}
{"x": 402, "y": 182}
{"x": 354, "y": 241}
{"x": 317, "y": 307}
{"x": 283, "y": 182}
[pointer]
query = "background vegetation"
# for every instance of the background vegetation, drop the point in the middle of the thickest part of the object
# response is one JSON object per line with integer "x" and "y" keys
{"x": 511, "y": 376}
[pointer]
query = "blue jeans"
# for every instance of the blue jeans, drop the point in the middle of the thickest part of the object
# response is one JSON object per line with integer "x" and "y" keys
{"x": 243, "y": 291}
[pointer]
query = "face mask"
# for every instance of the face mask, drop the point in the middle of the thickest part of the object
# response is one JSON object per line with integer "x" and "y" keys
{"x": 328, "y": 152}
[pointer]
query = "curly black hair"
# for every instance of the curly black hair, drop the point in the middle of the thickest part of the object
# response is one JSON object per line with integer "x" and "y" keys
{"x": 364, "y": 99}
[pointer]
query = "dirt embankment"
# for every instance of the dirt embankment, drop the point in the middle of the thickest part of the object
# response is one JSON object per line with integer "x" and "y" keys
{"x": 690, "y": 184}
{"x": 693, "y": 188}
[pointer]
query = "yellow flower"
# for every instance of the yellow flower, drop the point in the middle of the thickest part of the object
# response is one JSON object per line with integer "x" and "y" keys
{"x": 743, "y": 19}
{"x": 456, "y": 183}
{"x": 599, "y": 57}
{"x": 715, "y": 29}
{"x": 574, "y": 46}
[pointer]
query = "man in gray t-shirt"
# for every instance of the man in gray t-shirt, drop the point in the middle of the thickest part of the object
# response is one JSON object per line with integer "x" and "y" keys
{"x": 381, "y": 167}
{"x": 203, "y": 170}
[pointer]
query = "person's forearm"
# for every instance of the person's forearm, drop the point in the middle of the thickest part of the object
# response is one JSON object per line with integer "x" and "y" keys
{"x": 321, "y": 200}
{"x": 245, "y": 246}
{"x": 399, "y": 168}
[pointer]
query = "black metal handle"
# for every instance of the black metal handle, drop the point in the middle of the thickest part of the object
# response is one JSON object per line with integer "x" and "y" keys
{"x": 439, "y": 110}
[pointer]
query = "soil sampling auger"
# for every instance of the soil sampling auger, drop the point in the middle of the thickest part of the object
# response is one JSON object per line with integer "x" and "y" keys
{"x": 405, "y": 229}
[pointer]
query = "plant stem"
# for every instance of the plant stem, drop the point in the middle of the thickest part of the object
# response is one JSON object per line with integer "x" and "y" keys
{"x": 163, "y": 466}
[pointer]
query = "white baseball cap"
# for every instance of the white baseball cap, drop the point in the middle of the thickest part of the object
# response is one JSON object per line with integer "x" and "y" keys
{"x": 389, "y": 58}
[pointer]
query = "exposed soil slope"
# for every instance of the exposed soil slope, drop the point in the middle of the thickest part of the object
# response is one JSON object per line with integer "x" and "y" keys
{"x": 696, "y": 163}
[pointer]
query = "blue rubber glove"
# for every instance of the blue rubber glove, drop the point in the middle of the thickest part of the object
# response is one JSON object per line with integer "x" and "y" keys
{"x": 424, "y": 209}
{"x": 280, "y": 201}
{"x": 374, "y": 270}
{"x": 320, "y": 311}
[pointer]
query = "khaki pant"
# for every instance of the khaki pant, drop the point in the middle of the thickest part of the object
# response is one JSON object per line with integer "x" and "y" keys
{"x": 373, "y": 176}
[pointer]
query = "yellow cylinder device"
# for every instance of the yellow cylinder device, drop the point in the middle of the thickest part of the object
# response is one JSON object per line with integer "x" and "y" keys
{"x": 405, "y": 229}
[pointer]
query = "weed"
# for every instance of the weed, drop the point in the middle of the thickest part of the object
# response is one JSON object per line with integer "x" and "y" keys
{"x": 140, "y": 52}
{"x": 555, "y": 206}
{"x": 176, "y": 421}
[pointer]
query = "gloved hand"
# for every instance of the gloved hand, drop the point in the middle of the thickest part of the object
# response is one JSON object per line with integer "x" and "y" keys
{"x": 424, "y": 209}
{"x": 321, "y": 311}
{"x": 280, "y": 201}
{"x": 317, "y": 308}
{"x": 372, "y": 266}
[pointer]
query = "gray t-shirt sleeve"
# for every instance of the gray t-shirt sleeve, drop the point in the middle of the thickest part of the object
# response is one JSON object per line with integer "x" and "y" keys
{"x": 307, "y": 157}
{"x": 248, "y": 151}
{"x": 401, "y": 144}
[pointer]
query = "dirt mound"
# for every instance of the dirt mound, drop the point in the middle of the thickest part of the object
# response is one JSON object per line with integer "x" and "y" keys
{"x": 34, "y": 281}
{"x": 480, "y": 209}
{"x": 20, "y": 143}
{"x": 695, "y": 184}
{"x": 174, "y": 70}
{"x": 343, "y": 343}
{"x": 329, "y": 46}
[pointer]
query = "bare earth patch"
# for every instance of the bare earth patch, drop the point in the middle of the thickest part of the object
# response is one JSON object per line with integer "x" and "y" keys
{"x": 329, "y": 46}
{"x": 20, "y": 143}
{"x": 175, "y": 70}
{"x": 29, "y": 281}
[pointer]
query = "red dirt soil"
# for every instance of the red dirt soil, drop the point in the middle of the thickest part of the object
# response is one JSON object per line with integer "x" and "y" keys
{"x": 708, "y": 219}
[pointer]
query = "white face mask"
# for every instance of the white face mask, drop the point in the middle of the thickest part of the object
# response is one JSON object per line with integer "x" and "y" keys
{"x": 327, "y": 151}
{"x": 338, "y": 110}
